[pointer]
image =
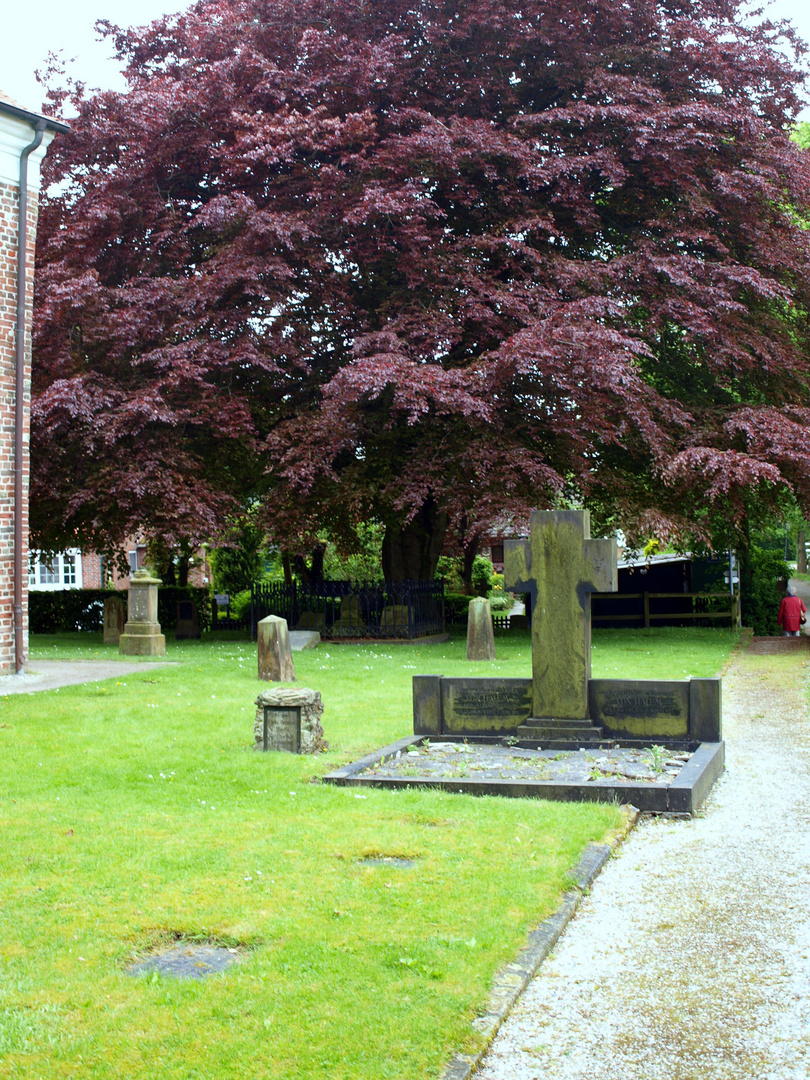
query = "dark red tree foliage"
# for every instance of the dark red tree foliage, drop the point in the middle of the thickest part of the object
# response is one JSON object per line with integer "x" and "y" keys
{"x": 429, "y": 263}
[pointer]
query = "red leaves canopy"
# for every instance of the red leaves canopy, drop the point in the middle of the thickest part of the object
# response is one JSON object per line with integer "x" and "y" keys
{"x": 350, "y": 258}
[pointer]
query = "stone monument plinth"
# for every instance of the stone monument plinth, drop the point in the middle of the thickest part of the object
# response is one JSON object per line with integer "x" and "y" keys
{"x": 142, "y": 636}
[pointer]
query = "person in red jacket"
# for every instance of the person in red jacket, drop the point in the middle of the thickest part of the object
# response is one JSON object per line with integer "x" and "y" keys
{"x": 790, "y": 613}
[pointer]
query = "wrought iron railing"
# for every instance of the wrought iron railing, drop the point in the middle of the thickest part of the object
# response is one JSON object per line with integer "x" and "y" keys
{"x": 353, "y": 609}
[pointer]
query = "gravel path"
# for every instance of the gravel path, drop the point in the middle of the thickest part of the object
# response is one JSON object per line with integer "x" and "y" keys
{"x": 51, "y": 674}
{"x": 691, "y": 958}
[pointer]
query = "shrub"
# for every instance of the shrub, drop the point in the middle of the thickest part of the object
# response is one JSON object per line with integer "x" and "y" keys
{"x": 760, "y": 602}
{"x": 65, "y": 610}
{"x": 455, "y": 607}
{"x": 500, "y": 601}
{"x": 240, "y": 606}
{"x": 483, "y": 573}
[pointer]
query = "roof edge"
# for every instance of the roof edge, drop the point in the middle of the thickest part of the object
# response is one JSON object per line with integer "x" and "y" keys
{"x": 32, "y": 118}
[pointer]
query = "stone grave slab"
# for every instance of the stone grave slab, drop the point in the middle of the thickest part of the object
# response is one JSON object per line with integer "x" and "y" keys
{"x": 114, "y": 619}
{"x": 561, "y": 707}
{"x": 632, "y": 709}
{"x": 680, "y": 792}
{"x": 303, "y": 639}
{"x": 187, "y": 961}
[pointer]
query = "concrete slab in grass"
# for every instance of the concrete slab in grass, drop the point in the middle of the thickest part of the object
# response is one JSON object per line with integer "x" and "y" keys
{"x": 304, "y": 639}
{"x": 681, "y": 794}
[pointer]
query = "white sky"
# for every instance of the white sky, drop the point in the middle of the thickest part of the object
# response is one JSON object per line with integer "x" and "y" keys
{"x": 29, "y": 33}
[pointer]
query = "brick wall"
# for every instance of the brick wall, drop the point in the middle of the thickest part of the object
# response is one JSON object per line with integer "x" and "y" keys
{"x": 17, "y": 128}
{"x": 9, "y": 205}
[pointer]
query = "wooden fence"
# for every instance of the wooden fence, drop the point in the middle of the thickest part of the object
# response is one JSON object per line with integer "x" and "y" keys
{"x": 654, "y": 607}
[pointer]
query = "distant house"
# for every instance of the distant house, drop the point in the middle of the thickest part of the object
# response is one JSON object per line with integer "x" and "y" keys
{"x": 49, "y": 573}
{"x": 76, "y": 569}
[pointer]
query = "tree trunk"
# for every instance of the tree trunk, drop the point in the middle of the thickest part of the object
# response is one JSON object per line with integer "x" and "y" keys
{"x": 470, "y": 552}
{"x": 411, "y": 552}
{"x": 746, "y": 572}
{"x": 312, "y": 571}
{"x": 183, "y": 565}
{"x": 286, "y": 564}
{"x": 801, "y": 552}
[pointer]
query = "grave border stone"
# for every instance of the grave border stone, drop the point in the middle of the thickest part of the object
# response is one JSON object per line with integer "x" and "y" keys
{"x": 683, "y": 796}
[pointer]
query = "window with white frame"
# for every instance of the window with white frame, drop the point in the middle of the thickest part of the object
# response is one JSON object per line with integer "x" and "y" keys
{"x": 69, "y": 571}
{"x": 60, "y": 571}
{"x": 49, "y": 571}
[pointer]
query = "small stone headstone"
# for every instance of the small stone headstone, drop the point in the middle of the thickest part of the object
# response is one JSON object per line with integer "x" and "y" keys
{"x": 289, "y": 719}
{"x": 114, "y": 618}
{"x": 188, "y": 622}
{"x": 480, "y": 632}
{"x": 275, "y": 654}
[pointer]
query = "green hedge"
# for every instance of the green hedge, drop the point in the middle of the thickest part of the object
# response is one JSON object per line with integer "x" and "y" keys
{"x": 455, "y": 607}
{"x": 83, "y": 609}
{"x": 760, "y": 604}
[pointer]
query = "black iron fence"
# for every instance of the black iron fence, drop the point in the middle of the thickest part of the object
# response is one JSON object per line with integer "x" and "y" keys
{"x": 353, "y": 609}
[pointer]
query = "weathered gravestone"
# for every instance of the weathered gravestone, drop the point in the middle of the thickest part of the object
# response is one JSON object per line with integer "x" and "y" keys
{"x": 114, "y": 618}
{"x": 560, "y": 566}
{"x": 480, "y": 631}
{"x": 142, "y": 636}
{"x": 289, "y": 719}
{"x": 187, "y": 626}
{"x": 275, "y": 654}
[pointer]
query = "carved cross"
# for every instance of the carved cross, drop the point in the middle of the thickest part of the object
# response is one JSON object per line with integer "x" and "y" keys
{"x": 560, "y": 566}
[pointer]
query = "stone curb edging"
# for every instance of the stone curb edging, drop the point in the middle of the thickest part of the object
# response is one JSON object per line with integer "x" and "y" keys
{"x": 512, "y": 980}
{"x": 683, "y": 796}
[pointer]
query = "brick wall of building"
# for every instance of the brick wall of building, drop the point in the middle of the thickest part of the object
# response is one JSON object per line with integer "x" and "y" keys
{"x": 9, "y": 206}
{"x": 17, "y": 131}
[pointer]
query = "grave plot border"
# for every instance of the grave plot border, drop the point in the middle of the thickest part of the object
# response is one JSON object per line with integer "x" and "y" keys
{"x": 684, "y": 795}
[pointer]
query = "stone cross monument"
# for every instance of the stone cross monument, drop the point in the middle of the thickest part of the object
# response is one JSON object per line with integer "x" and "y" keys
{"x": 561, "y": 705}
{"x": 560, "y": 566}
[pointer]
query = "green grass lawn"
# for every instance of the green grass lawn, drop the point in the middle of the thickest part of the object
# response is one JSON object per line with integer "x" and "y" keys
{"x": 135, "y": 811}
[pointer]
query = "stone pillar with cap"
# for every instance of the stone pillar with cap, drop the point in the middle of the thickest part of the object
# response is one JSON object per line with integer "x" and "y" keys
{"x": 142, "y": 636}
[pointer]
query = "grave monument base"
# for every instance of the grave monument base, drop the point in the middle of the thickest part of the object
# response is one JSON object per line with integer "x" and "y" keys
{"x": 142, "y": 639}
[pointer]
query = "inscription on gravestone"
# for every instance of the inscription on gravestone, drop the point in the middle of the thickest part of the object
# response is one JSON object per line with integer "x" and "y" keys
{"x": 468, "y": 702}
{"x": 494, "y": 704}
{"x": 281, "y": 729}
{"x": 641, "y": 708}
{"x": 641, "y": 704}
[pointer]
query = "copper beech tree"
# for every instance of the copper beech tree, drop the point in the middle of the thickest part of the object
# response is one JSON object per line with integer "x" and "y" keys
{"x": 427, "y": 264}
